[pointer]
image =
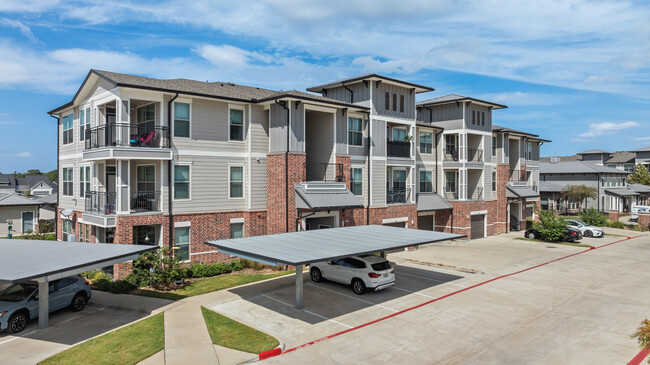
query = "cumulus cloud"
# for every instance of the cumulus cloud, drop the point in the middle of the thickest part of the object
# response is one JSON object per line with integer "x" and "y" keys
{"x": 607, "y": 128}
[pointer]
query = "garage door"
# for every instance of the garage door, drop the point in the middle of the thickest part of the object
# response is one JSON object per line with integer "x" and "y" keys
{"x": 478, "y": 226}
{"x": 425, "y": 222}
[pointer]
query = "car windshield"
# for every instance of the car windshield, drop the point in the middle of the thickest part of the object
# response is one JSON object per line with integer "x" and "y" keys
{"x": 17, "y": 292}
{"x": 581, "y": 223}
{"x": 380, "y": 266}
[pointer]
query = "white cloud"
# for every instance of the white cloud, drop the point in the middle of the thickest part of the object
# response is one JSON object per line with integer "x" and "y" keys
{"x": 513, "y": 98}
{"x": 642, "y": 139}
{"x": 16, "y": 154}
{"x": 28, "y": 6}
{"x": 607, "y": 128}
{"x": 22, "y": 28}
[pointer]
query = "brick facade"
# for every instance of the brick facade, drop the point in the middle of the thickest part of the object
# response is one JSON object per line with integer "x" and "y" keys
{"x": 344, "y": 161}
{"x": 276, "y": 190}
{"x": 614, "y": 215}
{"x": 644, "y": 219}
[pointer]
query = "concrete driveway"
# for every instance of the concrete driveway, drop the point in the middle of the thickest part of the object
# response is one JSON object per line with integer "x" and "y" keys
{"x": 104, "y": 312}
{"x": 581, "y": 309}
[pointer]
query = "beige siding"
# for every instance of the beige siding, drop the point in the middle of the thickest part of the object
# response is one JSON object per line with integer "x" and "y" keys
{"x": 14, "y": 213}
{"x": 364, "y": 177}
{"x": 258, "y": 180}
{"x": 378, "y": 183}
{"x": 259, "y": 129}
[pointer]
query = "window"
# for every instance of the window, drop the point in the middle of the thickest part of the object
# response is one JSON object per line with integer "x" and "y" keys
{"x": 236, "y": 230}
{"x": 530, "y": 151}
{"x": 394, "y": 102}
{"x": 494, "y": 181}
{"x": 67, "y": 181}
{"x": 450, "y": 181}
{"x": 602, "y": 182}
{"x": 67, "y": 229}
{"x": 473, "y": 116}
{"x": 426, "y": 186}
{"x": 426, "y": 142}
{"x": 482, "y": 118}
{"x": 356, "y": 181}
{"x": 181, "y": 182}
{"x": 181, "y": 120}
{"x": 401, "y": 103}
{"x": 399, "y": 134}
{"x": 355, "y": 132}
{"x": 68, "y": 133}
{"x": 236, "y": 181}
{"x": 494, "y": 146}
{"x": 146, "y": 118}
{"x": 236, "y": 125}
{"x": 82, "y": 231}
{"x": 182, "y": 242}
{"x": 450, "y": 141}
{"x": 629, "y": 167}
{"x": 84, "y": 181}
{"x": 87, "y": 233}
{"x": 84, "y": 122}
{"x": 399, "y": 180}
{"x": 387, "y": 101}
{"x": 146, "y": 178}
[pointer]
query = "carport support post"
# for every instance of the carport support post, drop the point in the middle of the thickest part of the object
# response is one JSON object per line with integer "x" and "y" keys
{"x": 43, "y": 304}
{"x": 298, "y": 286}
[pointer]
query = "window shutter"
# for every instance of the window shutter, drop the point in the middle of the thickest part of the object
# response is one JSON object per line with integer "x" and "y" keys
{"x": 387, "y": 101}
{"x": 401, "y": 103}
{"x": 394, "y": 102}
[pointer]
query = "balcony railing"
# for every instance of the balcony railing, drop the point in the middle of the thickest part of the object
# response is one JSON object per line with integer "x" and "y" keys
{"x": 476, "y": 194}
{"x": 318, "y": 171}
{"x": 395, "y": 196}
{"x": 100, "y": 202}
{"x": 451, "y": 154}
{"x": 145, "y": 201}
{"x": 398, "y": 149}
{"x": 451, "y": 194}
{"x": 474, "y": 154}
{"x": 126, "y": 135}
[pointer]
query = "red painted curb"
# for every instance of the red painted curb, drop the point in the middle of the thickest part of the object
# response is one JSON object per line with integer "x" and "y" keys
{"x": 443, "y": 297}
{"x": 636, "y": 360}
{"x": 266, "y": 354}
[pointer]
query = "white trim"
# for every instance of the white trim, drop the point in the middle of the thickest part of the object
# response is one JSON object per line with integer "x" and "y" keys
{"x": 172, "y": 118}
{"x": 182, "y": 152}
{"x": 384, "y": 118}
{"x": 182, "y": 224}
{"x": 237, "y": 220}
{"x": 479, "y": 212}
{"x": 335, "y": 214}
{"x": 243, "y": 188}
{"x": 318, "y": 108}
{"x": 189, "y": 187}
{"x": 243, "y": 122}
{"x": 395, "y": 220}
{"x": 34, "y": 218}
{"x": 249, "y": 141}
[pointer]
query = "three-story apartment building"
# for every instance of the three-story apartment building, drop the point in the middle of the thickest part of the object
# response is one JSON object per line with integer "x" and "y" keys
{"x": 179, "y": 162}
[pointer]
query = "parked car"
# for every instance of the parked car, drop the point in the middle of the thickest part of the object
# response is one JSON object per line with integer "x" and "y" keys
{"x": 19, "y": 301}
{"x": 585, "y": 229}
{"x": 572, "y": 234}
{"x": 368, "y": 272}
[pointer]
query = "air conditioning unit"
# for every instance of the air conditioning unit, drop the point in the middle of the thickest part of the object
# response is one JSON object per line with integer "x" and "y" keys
{"x": 72, "y": 238}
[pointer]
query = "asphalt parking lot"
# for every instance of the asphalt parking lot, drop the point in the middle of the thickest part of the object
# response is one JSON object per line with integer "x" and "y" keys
{"x": 581, "y": 309}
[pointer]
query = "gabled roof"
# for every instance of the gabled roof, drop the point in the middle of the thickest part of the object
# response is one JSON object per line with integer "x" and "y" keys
{"x": 621, "y": 192}
{"x": 12, "y": 199}
{"x": 30, "y": 181}
{"x": 431, "y": 201}
{"x": 594, "y": 152}
{"x": 295, "y": 94}
{"x": 621, "y": 157}
{"x": 548, "y": 187}
{"x": 576, "y": 167}
{"x": 369, "y": 77}
{"x": 7, "y": 181}
{"x": 317, "y": 196}
{"x": 644, "y": 149}
{"x": 639, "y": 188}
{"x": 498, "y": 128}
{"x": 452, "y": 98}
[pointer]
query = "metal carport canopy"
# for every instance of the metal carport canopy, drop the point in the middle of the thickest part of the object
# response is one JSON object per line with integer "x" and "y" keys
{"x": 299, "y": 248}
{"x": 44, "y": 261}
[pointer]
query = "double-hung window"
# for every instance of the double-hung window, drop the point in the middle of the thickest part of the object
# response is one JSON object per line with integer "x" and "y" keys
{"x": 68, "y": 188}
{"x": 236, "y": 125}
{"x": 355, "y": 132}
{"x": 84, "y": 181}
{"x": 146, "y": 179}
{"x": 494, "y": 146}
{"x": 181, "y": 182}
{"x": 182, "y": 242}
{"x": 394, "y": 102}
{"x": 236, "y": 182}
{"x": 68, "y": 132}
{"x": 450, "y": 181}
{"x": 530, "y": 151}
{"x": 399, "y": 134}
{"x": 181, "y": 120}
{"x": 401, "y": 103}
{"x": 426, "y": 185}
{"x": 494, "y": 181}
{"x": 426, "y": 142}
{"x": 387, "y": 101}
{"x": 67, "y": 229}
{"x": 356, "y": 181}
{"x": 84, "y": 122}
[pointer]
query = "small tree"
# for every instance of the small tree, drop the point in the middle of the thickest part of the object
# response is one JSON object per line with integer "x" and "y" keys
{"x": 642, "y": 335}
{"x": 549, "y": 226}
{"x": 640, "y": 175}
{"x": 157, "y": 268}
{"x": 580, "y": 193}
{"x": 593, "y": 217}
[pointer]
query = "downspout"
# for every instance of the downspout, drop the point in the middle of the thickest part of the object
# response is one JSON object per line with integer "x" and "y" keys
{"x": 286, "y": 166}
{"x": 169, "y": 172}
{"x": 56, "y": 219}
{"x": 351, "y": 93}
{"x": 368, "y": 207}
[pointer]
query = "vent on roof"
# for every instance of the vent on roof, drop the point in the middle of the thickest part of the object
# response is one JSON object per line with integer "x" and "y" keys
{"x": 555, "y": 159}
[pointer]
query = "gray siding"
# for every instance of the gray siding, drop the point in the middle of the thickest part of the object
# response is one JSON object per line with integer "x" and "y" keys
{"x": 278, "y": 129}
{"x": 469, "y": 122}
{"x": 448, "y": 116}
{"x": 378, "y": 95}
{"x": 319, "y": 134}
{"x": 258, "y": 181}
{"x": 378, "y": 175}
{"x": 259, "y": 129}
{"x": 297, "y": 127}
{"x": 360, "y": 90}
{"x": 378, "y": 138}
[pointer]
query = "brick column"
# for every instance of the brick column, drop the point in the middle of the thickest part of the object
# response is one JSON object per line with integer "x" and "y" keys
{"x": 345, "y": 161}
{"x": 644, "y": 219}
{"x": 614, "y": 215}
{"x": 276, "y": 184}
{"x": 522, "y": 173}
{"x": 503, "y": 176}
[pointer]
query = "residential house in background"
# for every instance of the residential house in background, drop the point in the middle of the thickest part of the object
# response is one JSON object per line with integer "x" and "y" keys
{"x": 33, "y": 186}
{"x": 22, "y": 212}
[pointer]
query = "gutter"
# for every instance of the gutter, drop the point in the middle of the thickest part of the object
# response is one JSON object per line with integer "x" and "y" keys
{"x": 286, "y": 165}
{"x": 170, "y": 200}
{"x": 56, "y": 218}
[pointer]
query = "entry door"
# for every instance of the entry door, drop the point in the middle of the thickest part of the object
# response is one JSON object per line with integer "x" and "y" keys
{"x": 110, "y": 207}
{"x": 28, "y": 222}
{"x": 478, "y": 226}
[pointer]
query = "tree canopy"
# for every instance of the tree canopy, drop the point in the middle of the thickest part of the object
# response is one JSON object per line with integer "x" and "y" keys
{"x": 579, "y": 193}
{"x": 640, "y": 175}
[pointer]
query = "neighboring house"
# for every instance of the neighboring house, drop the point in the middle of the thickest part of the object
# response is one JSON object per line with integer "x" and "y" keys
{"x": 7, "y": 183}
{"x": 597, "y": 157}
{"x": 613, "y": 193}
{"x": 20, "y": 210}
{"x": 180, "y": 162}
{"x": 35, "y": 185}
{"x": 642, "y": 156}
{"x": 621, "y": 160}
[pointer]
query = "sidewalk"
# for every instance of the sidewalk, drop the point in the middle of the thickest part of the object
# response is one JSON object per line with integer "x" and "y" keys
{"x": 187, "y": 340}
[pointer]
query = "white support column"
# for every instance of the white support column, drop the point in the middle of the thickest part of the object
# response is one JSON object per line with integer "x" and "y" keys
{"x": 43, "y": 304}
{"x": 299, "y": 304}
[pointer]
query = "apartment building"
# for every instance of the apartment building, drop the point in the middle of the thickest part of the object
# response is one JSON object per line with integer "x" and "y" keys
{"x": 180, "y": 162}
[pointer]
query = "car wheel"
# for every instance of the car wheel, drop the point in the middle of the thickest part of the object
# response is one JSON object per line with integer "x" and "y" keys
{"x": 589, "y": 233}
{"x": 78, "y": 302}
{"x": 18, "y": 322}
{"x": 531, "y": 235}
{"x": 316, "y": 275}
{"x": 358, "y": 286}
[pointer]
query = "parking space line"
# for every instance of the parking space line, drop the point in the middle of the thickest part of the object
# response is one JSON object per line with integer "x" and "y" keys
{"x": 69, "y": 319}
{"x": 351, "y": 297}
{"x": 436, "y": 280}
{"x": 413, "y": 292}
{"x": 307, "y": 311}
{"x": 17, "y": 337}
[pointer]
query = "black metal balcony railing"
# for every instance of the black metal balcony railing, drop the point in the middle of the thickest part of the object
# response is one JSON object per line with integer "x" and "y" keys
{"x": 394, "y": 196}
{"x": 125, "y": 135}
{"x": 145, "y": 201}
{"x": 100, "y": 202}
{"x": 451, "y": 154}
{"x": 398, "y": 149}
{"x": 474, "y": 154}
{"x": 476, "y": 194}
{"x": 451, "y": 194}
{"x": 318, "y": 171}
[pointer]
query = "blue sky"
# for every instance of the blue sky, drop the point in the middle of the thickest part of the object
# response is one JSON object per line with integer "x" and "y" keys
{"x": 572, "y": 71}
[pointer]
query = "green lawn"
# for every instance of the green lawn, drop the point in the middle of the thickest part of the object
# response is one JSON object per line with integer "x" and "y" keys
{"x": 555, "y": 243}
{"x": 232, "y": 334}
{"x": 126, "y": 346}
{"x": 209, "y": 285}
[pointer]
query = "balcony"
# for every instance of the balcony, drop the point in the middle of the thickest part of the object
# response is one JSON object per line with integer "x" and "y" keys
{"x": 101, "y": 203}
{"x": 398, "y": 149}
{"x": 125, "y": 141}
{"x": 515, "y": 176}
{"x": 451, "y": 154}
{"x": 474, "y": 154}
{"x": 475, "y": 194}
{"x": 323, "y": 171}
{"x": 398, "y": 196}
{"x": 451, "y": 195}
{"x": 145, "y": 201}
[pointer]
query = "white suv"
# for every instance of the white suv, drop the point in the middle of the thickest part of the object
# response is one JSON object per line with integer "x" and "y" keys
{"x": 585, "y": 229}
{"x": 362, "y": 272}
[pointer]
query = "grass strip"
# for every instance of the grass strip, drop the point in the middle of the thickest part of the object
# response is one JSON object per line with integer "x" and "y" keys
{"x": 232, "y": 334}
{"x": 125, "y": 346}
{"x": 554, "y": 243}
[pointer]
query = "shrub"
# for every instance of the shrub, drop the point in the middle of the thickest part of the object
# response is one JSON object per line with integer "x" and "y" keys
{"x": 642, "y": 334}
{"x": 201, "y": 271}
{"x": 616, "y": 224}
{"x": 246, "y": 264}
{"x": 550, "y": 226}
{"x": 115, "y": 287}
{"x": 46, "y": 237}
{"x": 159, "y": 268}
{"x": 529, "y": 223}
{"x": 640, "y": 228}
{"x": 593, "y": 217}
{"x": 46, "y": 227}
